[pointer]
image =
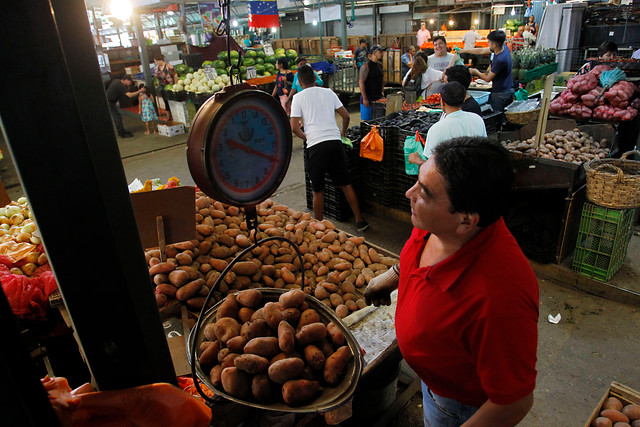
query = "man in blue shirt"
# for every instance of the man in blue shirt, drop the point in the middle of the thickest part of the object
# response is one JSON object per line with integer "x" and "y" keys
{"x": 361, "y": 53}
{"x": 500, "y": 72}
{"x": 407, "y": 60}
{"x": 295, "y": 86}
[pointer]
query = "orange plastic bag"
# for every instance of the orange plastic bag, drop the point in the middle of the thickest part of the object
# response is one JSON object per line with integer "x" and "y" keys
{"x": 372, "y": 145}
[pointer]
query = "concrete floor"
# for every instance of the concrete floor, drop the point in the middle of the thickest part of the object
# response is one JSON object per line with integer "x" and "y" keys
{"x": 595, "y": 343}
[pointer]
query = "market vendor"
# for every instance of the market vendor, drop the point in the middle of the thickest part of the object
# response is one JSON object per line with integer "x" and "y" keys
{"x": 500, "y": 72}
{"x": 166, "y": 74}
{"x": 606, "y": 51}
{"x": 455, "y": 124}
{"x": 469, "y": 39}
{"x": 528, "y": 36}
{"x": 466, "y": 319}
{"x": 533, "y": 26}
{"x": 440, "y": 60}
{"x": 423, "y": 35}
{"x": 371, "y": 82}
{"x": 117, "y": 88}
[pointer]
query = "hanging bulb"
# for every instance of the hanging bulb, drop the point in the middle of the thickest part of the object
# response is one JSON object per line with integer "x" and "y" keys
{"x": 451, "y": 23}
{"x": 315, "y": 22}
{"x": 513, "y": 11}
{"x": 430, "y": 21}
{"x": 234, "y": 23}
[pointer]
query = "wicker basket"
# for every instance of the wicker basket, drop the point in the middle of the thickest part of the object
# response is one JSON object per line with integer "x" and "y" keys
{"x": 614, "y": 183}
{"x": 522, "y": 118}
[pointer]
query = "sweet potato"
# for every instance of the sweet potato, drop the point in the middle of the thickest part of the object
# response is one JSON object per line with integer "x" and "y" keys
{"x": 245, "y": 313}
{"x": 314, "y": 357}
{"x": 161, "y": 278}
{"x": 286, "y": 337}
{"x": 189, "y": 290}
{"x": 272, "y": 315}
{"x": 226, "y": 328}
{"x": 209, "y": 356}
{"x": 342, "y": 311}
{"x": 334, "y": 367}
{"x": 163, "y": 267}
{"x": 311, "y": 333}
{"x": 228, "y": 361}
{"x": 286, "y": 369}
{"x": 167, "y": 289}
{"x": 178, "y": 278}
{"x": 236, "y": 383}
{"x": 229, "y": 308}
{"x": 613, "y": 403}
{"x": 236, "y": 344}
{"x": 251, "y": 363}
{"x": 292, "y": 299}
{"x": 249, "y": 298}
{"x": 307, "y": 317}
{"x": 255, "y": 329}
{"x": 216, "y": 375}
{"x": 296, "y": 392}
{"x": 335, "y": 334}
{"x": 263, "y": 346}
{"x": 245, "y": 268}
{"x": 601, "y": 422}
{"x": 632, "y": 411}
{"x": 262, "y": 389}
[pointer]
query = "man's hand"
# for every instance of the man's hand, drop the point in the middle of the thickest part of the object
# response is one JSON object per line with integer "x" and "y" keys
{"x": 474, "y": 72}
{"x": 379, "y": 289}
{"x": 415, "y": 159}
{"x": 365, "y": 102}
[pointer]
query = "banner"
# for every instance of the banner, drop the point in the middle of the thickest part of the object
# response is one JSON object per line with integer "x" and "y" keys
{"x": 328, "y": 13}
{"x": 263, "y": 14}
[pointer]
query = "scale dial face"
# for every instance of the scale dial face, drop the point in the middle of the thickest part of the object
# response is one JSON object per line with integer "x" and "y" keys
{"x": 246, "y": 149}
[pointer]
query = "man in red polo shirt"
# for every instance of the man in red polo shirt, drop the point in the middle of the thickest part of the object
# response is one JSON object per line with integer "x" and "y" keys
{"x": 467, "y": 311}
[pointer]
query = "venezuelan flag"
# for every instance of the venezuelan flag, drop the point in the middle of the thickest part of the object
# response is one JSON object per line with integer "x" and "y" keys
{"x": 263, "y": 13}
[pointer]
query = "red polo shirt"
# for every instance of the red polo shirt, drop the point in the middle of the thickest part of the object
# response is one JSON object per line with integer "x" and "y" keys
{"x": 468, "y": 326}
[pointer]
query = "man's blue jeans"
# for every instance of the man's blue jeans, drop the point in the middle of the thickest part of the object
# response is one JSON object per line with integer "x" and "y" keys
{"x": 443, "y": 412}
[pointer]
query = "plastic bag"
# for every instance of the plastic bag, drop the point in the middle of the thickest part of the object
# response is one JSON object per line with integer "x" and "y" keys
{"x": 521, "y": 95}
{"x": 28, "y": 296}
{"x": 372, "y": 145}
{"x": 412, "y": 144}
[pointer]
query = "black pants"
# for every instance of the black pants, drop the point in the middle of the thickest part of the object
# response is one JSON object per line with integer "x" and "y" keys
{"x": 117, "y": 118}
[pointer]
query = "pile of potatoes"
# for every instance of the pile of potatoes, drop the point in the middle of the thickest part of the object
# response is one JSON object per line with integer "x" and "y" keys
{"x": 337, "y": 267}
{"x": 569, "y": 146}
{"x": 615, "y": 413}
{"x": 259, "y": 351}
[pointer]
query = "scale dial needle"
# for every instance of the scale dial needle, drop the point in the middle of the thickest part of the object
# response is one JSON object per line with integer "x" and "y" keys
{"x": 238, "y": 146}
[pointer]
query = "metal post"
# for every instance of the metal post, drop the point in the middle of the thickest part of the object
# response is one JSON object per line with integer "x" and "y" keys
{"x": 375, "y": 23}
{"x": 158, "y": 27}
{"x": 70, "y": 167}
{"x": 320, "y": 29}
{"x": 183, "y": 15}
{"x": 343, "y": 20}
{"x": 143, "y": 50}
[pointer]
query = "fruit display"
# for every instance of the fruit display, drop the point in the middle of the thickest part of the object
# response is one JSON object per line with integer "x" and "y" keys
{"x": 337, "y": 267}
{"x": 528, "y": 59}
{"x": 585, "y": 98}
{"x": 569, "y": 146}
{"x": 268, "y": 349}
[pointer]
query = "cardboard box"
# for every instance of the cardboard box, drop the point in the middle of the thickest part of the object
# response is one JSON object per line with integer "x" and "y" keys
{"x": 133, "y": 70}
{"x": 626, "y": 394}
{"x": 171, "y": 129}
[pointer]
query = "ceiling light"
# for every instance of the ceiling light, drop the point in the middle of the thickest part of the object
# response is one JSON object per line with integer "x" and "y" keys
{"x": 513, "y": 11}
{"x": 475, "y": 21}
{"x": 274, "y": 29}
{"x": 450, "y": 23}
{"x": 169, "y": 12}
{"x": 315, "y": 22}
{"x": 121, "y": 9}
{"x": 430, "y": 21}
{"x": 234, "y": 23}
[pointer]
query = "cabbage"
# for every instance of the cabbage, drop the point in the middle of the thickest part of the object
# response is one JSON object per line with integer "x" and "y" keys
{"x": 180, "y": 82}
{"x": 187, "y": 81}
{"x": 218, "y": 79}
{"x": 215, "y": 88}
{"x": 225, "y": 78}
{"x": 189, "y": 75}
{"x": 178, "y": 87}
{"x": 168, "y": 87}
{"x": 210, "y": 83}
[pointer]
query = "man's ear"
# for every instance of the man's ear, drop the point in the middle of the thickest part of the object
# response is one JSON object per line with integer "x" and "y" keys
{"x": 468, "y": 222}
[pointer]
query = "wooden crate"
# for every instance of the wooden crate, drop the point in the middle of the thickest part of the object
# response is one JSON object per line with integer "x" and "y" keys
{"x": 287, "y": 44}
{"x": 626, "y": 394}
{"x": 392, "y": 66}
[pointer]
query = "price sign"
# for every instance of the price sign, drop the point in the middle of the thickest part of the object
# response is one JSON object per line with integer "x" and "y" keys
{"x": 251, "y": 72}
{"x": 268, "y": 49}
{"x": 210, "y": 72}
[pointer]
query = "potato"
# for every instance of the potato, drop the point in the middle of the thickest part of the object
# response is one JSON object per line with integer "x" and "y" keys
{"x": 259, "y": 314}
{"x": 335, "y": 334}
{"x": 621, "y": 424}
{"x": 184, "y": 259}
{"x": 601, "y": 422}
{"x": 334, "y": 367}
{"x": 167, "y": 289}
{"x": 314, "y": 357}
{"x": 321, "y": 292}
{"x": 251, "y": 363}
{"x": 236, "y": 383}
{"x": 178, "y": 278}
{"x": 325, "y": 346}
{"x": 254, "y": 329}
{"x": 342, "y": 311}
{"x": 615, "y": 416}
{"x": 209, "y": 356}
{"x": 286, "y": 369}
{"x": 245, "y": 313}
{"x": 286, "y": 337}
{"x": 272, "y": 315}
{"x": 263, "y": 346}
{"x": 189, "y": 290}
{"x": 292, "y": 299}
{"x": 632, "y": 411}
{"x": 636, "y": 423}
{"x": 249, "y": 298}
{"x": 245, "y": 268}
{"x": 226, "y": 328}
{"x": 291, "y": 315}
{"x": 223, "y": 353}
{"x": 209, "y": 332}
{"x": 163, "y": 267}
{"x": 613, "y": 403}
{"x": 307, "y": 317}
{"x": 227, "y": 362}
{"x": 262, "y": 389}
{"x": 311, "y": 333}
{"x": 229, "y": 308}
{"x": 161, "y": 300}
{"x": 296, "y": 392}
{"x": 236, "y": 344}
{"x": 216, "y": 375}
{"x": 335, "y": 299}
{"x": 159, "y": 279}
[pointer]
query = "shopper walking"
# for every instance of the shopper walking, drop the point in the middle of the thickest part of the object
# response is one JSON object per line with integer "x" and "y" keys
{"x": 371, "y": 82}
{"x": 147, "y": 110}
{"x": 284, "y": 82}
{"x": 317, "y": 106}
{"x": 466, "y": 319}
{"x": 455, "y": 124}
{"x": 166, "y": 74}
{"x": 118, "y": 88}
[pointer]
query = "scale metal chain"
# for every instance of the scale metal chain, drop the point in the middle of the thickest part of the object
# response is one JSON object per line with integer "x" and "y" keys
{"x": 224, "y": 28}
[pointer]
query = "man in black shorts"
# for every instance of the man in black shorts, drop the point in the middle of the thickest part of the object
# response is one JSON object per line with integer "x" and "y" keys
{"x": 316, "y": 106}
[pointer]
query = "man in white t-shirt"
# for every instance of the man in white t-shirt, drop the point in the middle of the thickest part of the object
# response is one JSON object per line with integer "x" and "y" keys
{"x": 470, "y": 38}
{"x": 324, "y": 153}
{"x": 439, "y": 61}
{"x": 455, "y": 124}
{"x": 527, "y": 35}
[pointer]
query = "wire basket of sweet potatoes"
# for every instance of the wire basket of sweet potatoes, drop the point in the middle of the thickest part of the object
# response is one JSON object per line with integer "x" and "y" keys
{"x": 276, "y": 350}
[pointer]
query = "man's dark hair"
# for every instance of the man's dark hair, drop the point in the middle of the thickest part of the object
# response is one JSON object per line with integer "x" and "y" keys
{"x": 453, "y": 94}
{"x": 606, "y": 47}
{"x": 300, "y": 59}
{"x": 497, "y": 37}
{"x": 478, "y": 175}
{"x": 306, "y": 75}
{"x": 158, "y": 57}
{"x": 127, "y": 77}
{"x": 436, "y": 38}
{"x": 409, "y": 49}
{"x": 284, "y": 61}
{"x": 422, "y": 54}
{"x": 460, "y": 74}
{"x": 362, "y": 41}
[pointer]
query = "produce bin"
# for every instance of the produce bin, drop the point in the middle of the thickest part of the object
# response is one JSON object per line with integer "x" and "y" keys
{"x": 625, "y": 394}
{"x": 481, "y": 97}
{"x": 542, "y": 70}
{"x": 603, "y": 240}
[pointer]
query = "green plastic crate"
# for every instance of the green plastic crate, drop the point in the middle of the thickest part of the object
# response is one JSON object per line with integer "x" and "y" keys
{"x": 603, "y": 239}
{"x": 542, "y": 70}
